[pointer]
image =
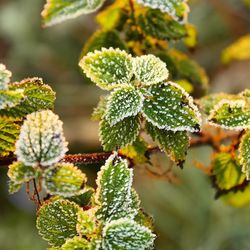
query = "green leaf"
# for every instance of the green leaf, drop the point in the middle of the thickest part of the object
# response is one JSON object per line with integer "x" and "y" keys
{"x": 114, "y": 190}
{"x": 230, "y": 114}
{"x": 81, "y": 244}
{"x": 14, "y": 187}
{"x": 123, "y": 103}
{"x": 207, "y": 103}
{"x": 64, "y": 179}
{"x": 56, "y": 221}
{"x": 86, "y": 222}
{"x": 10, "y": 98}
{"x": 227, "y": 171}
{"x": 160, "y": 26}
{"x": 239, "y": 50}
{"x": 9, "y": 132}
{"x": 119, "y": 135}
{"x": 5, "y": 76}
{"x": 135, "y": 151}
{"x": 244, "y": 153}
{"x": 175, "y": 8}
{"x": 100, "y": 109}
{"x": 168, "y": 106}
{"x": 144, "y": 219}
{"x": 56, "y": 11}
{"x": 41, "y": 140}
{"x": 126, "y": 234}
{"x": 20, "y": 173}
{"x": 149, "y": 69}
{"x": 37, "y": 96}
{"x": 174, "y": 143}
{"x": 108, "y": 68}
{"x": 103, "y": 39}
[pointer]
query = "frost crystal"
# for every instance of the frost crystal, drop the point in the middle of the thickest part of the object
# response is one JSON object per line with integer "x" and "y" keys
{"x": 41, "y": 141}
{"x": 126, "y": 234}
{"x": 123, "y": 103}
{"x": 113, "y": 193}
{"x": 230, "y": 114}
{"x": 5, "y": 76}
{"x": 244, "y": 154}
{"x": 175, "y": 8}
{"x": 108, "y": 68}
{"x": 149, "y": 69}
{"x": 168, "y": 106}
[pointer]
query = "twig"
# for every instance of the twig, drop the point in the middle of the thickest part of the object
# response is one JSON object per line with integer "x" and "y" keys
{"x": 95, "y": 158}
{"x": 36, "y": 192}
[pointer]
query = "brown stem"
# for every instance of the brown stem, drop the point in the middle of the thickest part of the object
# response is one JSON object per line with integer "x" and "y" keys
{"x": 36, "y": 192}
{"x": 131, "y": 4}
{"x": 94, "y": 158}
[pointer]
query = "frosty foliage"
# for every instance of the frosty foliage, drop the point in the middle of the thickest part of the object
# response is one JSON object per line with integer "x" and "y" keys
{"x": 56, "y": 11}
{"x": 41, "y": 141}
{"x": 244, "y": 153}
{"x": 5, "y": 76}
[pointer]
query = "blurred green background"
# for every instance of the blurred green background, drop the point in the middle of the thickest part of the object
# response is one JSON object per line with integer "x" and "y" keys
{"x": 186, "y": 215}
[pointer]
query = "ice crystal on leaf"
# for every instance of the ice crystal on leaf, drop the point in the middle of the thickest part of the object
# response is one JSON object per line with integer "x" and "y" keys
{"x": 122, "y": 103}
{"x": 119, "y": 135}
{"x": 149, "y": 69}
{"x": 41, "y": 139}
{"x": 231, "y": 114}
{"x": 56, "y": 11}
{"x": 175, "y": 8}
{"x": 244, "y": 153}
{"x": 81, "y": 243}
{"x": 20, "y": 173}
{"x": 168, "y": 106}
{"x": 5, "y": 76}
{"x": 126, "y": 234}
{"x": 108, "y": 68}
{"x": 56, "y": 221}
{"x": 174, "y": 143}
{"x": 113, "y": 194}
{"x": 64, "y": 179}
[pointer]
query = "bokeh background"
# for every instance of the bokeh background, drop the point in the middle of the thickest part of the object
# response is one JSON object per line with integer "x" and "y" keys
{"x": 186, "y": 215}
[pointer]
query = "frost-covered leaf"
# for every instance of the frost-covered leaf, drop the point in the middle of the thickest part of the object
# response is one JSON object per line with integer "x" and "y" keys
{"x": 9, "y": 132}
{"x": 14, "y": 187}
{"x": 56, "y": 11}
{"x": 103, "y": 39}
{"x": 135, "y": 151}
{"x": 64, "y": 179}
{"x": 37, "y": 96}
{"x": 231, "y": 114}
{"x": 100, "y": 109}
{"x": 56, "y": 221}
{"x": 86, "y": 222}
{"x": 121, "y": 134}
{"x": 244, "y": 153}
{"x": 122, "y": 103}
{"x": 5, "y": 76}
{"x": 227, "y": 171}
{"x": 149, "y": 69}
{"x": 20, "y": 173}
{"x": 168, "y": 106}
{"x": 144, "y": 219}
{"x": 108, "y": 68}
{"x": 160, "y": 26}
{"x": 41, "y": 140}
{"x": 114, "y": 190}
{"x": 79, "y": 243}
{"x": 174, "y": 143}
{"x": 239, "y": 50}
{"x": 126, "y": 234}
{"x": 175, "y": 8}
{"x": 208, "y": 102}
{"x": 10, "y": 98}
